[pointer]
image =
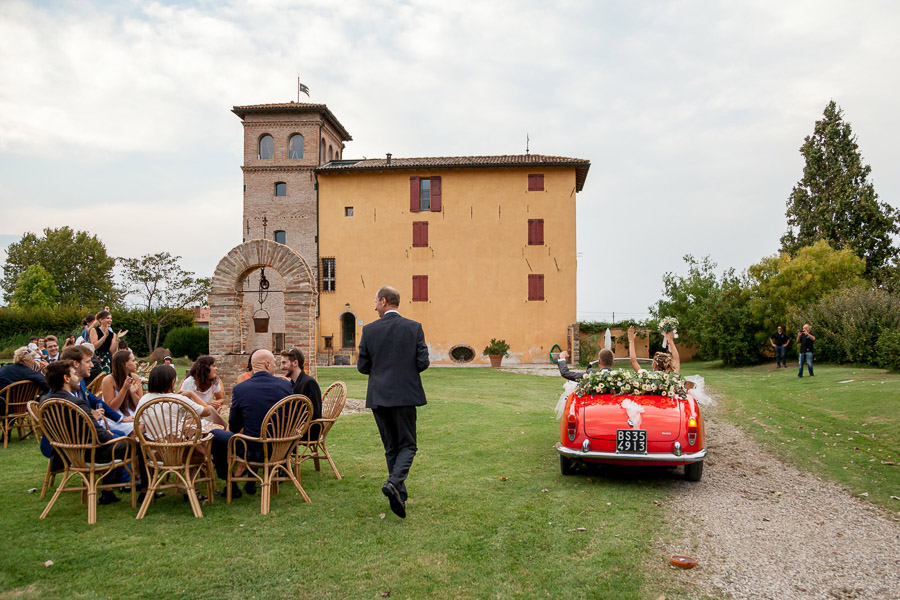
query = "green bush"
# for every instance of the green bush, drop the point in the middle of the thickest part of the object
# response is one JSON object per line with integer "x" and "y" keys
{"x": 188, "y": 341}
{"x": 849, "y": 323}
{"x": 887, "y": 350}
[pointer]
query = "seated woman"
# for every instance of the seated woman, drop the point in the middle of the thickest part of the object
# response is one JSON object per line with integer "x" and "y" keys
{"x": 249, "y": 373}
{"x": 605, "y": 358}
{"x": 123, "y": 388}
{"x": 161, "y": 382}
{"x": 203, "y": 380}
{"x": 662, "y": 361}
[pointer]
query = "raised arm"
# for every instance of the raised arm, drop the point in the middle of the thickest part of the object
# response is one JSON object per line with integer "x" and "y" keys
{"x": 676, "y": 360}
{"x": 632, "y": 352}
{"x": 564, "y": 368}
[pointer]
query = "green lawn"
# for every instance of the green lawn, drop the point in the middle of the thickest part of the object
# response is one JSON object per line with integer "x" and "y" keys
{"x": 843, "y": 424}
{"x": 489, "y": 516}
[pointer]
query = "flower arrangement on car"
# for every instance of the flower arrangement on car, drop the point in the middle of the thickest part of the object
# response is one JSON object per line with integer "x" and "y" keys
{"x": 617, "y": 382}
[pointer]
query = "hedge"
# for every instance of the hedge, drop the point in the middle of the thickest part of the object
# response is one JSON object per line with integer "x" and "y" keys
{"x": 188, "y": 341}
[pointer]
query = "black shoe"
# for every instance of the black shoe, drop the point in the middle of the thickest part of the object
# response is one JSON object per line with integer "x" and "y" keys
{"x": 107, "y": 497}
{"x": 142, "y": 495}
{"x": 250, "y": 488}
{"x": 200, "y": 498}
{"x": 235, "y": 491}
{"x": 397, "y": 505}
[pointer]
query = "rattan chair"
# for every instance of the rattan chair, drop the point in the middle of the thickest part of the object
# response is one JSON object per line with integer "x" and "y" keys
{"x": 333, "y": 401}
{"x": 15, "y": 414}
{"x": 171, "y": 438}
{"x": 50, "y": 477}
{"x": 144, "y": 371}
{"x": 284, "y": 426}
{"x": 96, "y": 384}
{"x": 72, "y": 434}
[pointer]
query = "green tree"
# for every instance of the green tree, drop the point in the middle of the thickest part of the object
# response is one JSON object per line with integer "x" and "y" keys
{"x": 689, "y": 300}
{"x": 784, "y": 284}
{"x": 164, "y": 289}
{"x": 835, "y": 201}
{"x": 34, "y": 289}
{"x": 76, "y": 260}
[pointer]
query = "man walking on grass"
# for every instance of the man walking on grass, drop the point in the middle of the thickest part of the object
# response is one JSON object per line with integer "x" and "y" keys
{"x": 392, "y": 352}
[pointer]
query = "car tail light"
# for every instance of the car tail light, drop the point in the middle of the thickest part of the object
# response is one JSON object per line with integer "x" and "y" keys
{"x": 571, "y": 427}
{"x": 692, "y": 431}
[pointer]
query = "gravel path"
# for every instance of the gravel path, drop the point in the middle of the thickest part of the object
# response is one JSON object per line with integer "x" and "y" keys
{"x": 760, "y": 528}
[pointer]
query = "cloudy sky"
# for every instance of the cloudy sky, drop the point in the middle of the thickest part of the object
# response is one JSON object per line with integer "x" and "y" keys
{"x": 115, "y": 116}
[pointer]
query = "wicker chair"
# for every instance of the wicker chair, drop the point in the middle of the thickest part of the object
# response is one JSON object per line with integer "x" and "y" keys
{"x": 284, "y": 426}
{"x": 144, "y": 371}
{"x": 34, "y": 413}
{"x": 333, "y": 401}
{"x": 171, "y": 438}
{"x": 72, "y": 434}
{"x": 15, "y": 413}
{"x": 96, "y": 384}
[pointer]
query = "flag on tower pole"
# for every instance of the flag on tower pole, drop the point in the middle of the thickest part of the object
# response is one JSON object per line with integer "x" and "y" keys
{"x": 301, "y": 88}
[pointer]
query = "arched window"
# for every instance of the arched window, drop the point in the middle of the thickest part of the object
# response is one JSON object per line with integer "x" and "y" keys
{"x": 322, "y": 151}
{"x": 330, "y": 153}
{"x": 266, "y": 147}
{"x": 348, "y": 330}
{"x": 280, "y": 237}
{"x": 295, "y": 147}
{"x": 281, "y": 189}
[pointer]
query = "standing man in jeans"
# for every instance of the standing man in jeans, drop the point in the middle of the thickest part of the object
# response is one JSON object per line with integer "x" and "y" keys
{"x": 392, "y": 352}
{"x": 780, "y": 341}
{"x": 806, "y": 339}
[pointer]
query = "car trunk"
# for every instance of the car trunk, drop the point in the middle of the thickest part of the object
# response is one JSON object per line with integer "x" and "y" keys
{"x": 661, "y": 418}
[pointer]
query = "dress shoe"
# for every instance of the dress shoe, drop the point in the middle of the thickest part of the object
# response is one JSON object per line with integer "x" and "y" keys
{"x": 107, "y": 497}
{"x": 250, "y": 487}
{"x": 397, "y": 505}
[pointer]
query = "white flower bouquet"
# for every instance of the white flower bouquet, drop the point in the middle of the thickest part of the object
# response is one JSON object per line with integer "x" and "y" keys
{"x": 618, "y": 382}
{"x": 667, "y": 324}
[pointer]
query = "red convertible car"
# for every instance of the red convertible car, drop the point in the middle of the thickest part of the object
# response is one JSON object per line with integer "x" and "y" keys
{"x": 654, "y": 423}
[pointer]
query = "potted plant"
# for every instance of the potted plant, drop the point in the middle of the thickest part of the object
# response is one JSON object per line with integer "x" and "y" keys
{"x": 496, "y": 350}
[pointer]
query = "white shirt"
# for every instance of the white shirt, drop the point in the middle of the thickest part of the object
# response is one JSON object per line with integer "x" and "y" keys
{"x": 157, "y": 416}
{"x": 207, "y": 396}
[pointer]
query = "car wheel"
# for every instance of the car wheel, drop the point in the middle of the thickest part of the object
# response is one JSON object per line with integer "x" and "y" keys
{"x": 566, "y": 465}
{"x": 693, "y": 471}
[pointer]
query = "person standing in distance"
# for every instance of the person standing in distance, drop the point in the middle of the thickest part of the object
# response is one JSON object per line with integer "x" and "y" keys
{"x": 805, "y": 338}
{"x": 392, "y": 352}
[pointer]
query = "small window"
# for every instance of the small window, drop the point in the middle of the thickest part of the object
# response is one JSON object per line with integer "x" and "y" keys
{"x": 535, "y": 287}
{"x": 462, "y": 353}
{"x": 330, "y": 153}
{"x": 329, "y": 342}
{"x": 535, "y": 183}
{"x": 281, "y": 189}
{"x": 425, "y": 194}
{"x": 266, "y": 147}
{"x": 295, "y": 146}
{"x": 277, "y": 343}
{"x": 348, "y": 211}
{"x": 420, "y": 288}
{"x": 535, "y": 232}
{"x": 420, "y": 234}
{"x": 280, "y": 237}
{"x": 322, "y": 151}
{"x": 328, "y": 275}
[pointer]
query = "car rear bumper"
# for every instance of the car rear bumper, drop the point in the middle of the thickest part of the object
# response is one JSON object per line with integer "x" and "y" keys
{"x": 618, "y": 456}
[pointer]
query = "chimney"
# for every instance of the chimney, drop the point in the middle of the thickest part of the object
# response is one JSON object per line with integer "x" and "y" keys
{"x": 388, "y": 158}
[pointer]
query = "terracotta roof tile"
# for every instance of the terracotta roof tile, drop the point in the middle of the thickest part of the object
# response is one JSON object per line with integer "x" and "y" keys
{"x": 509, "y": 160}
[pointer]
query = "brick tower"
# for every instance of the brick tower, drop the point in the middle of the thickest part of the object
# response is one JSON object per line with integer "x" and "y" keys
{"x": 283, "y": 146}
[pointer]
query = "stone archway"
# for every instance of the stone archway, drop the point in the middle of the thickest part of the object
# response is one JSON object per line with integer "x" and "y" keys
{"x": 229, "y": 328}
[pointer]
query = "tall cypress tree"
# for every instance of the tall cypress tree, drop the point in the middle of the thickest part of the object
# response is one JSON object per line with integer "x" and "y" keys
{"x": 836, "y": 202}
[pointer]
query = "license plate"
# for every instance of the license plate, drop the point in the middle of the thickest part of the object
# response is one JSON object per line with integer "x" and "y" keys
{"x": 631, "y": 441}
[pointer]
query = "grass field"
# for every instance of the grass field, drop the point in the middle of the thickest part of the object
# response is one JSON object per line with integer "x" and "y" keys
{"x": 843, "y": 424}
{"x": 489, "y": 517}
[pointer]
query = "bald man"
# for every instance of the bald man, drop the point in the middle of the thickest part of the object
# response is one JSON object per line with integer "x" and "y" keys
{"x": 250, "y": 402}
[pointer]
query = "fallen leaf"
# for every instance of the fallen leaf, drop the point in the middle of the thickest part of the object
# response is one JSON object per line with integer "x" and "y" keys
{"x": 48, "y": 563}
{"x": 895, "y": 497}
{"x": 381, "y": 516}
{"x": 609, "y": 503}
{"x": 362, "y": 476}
{"x": 544, "y": 491}
{"x": 386, "y": 594}
{"x": 865, "y": 494}
{"x": 502, "y": 478}
{"x": 32, "y": 490}
{"x": 887, "y": 462}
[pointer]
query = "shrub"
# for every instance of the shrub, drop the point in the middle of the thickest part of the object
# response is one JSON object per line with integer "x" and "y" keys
{"x": 849, "y": 323}
{"x": 887, "y": 350}
{"x": 496, "y": 347}
{"x": 188, "y": 341}
{"x": 589, "y": 346}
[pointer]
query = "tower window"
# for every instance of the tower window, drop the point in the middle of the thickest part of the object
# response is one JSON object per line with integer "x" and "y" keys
{"x": 266, "y": 147}
{"x": 322, "y": 151}
{"x": 348, "y": 211}
{"x": 280, "y": 237}
{"x": 328, "y": 279}
{"x": 295, "y": 147}
{"x": 330, "y": 153}
{"x": 281, "y": 189}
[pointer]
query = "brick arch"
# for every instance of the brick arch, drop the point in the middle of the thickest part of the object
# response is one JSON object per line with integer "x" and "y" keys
{"x": 228, "y": 328}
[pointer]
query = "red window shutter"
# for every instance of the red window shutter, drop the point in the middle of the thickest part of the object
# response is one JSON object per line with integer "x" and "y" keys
{"x": 539, "y": 232}
{"x": 420, "y": 234}
{"x": 420, "y": 288}
{"x": 423, "y": 289}
{"x": 535, "y": 183}
{"x": 413, "y": 194}
{"x": 535, "y": 287}
{"x": 435, "y": 194}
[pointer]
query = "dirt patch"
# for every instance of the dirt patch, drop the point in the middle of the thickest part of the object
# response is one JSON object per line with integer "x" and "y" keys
{"x": 761, "y": 528}
{"x": 354, "y": 406}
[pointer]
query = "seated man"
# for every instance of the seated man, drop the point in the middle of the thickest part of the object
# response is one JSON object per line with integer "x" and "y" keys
{"x": 65, "y": 381}
{"x": 96, "y": 367}
{"x": 51, "y": 344}
{"x": 250, "y": 402}
{"x": 605, "y": 357}
{"x": 82, "y": 358}
{"x": 292, "y": 364}
{"x": 22, "y": 369}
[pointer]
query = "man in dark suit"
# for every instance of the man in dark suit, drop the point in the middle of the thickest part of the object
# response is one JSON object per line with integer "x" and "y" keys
{"x": 392, "y": 352}
{"x": 250, "y": 402}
